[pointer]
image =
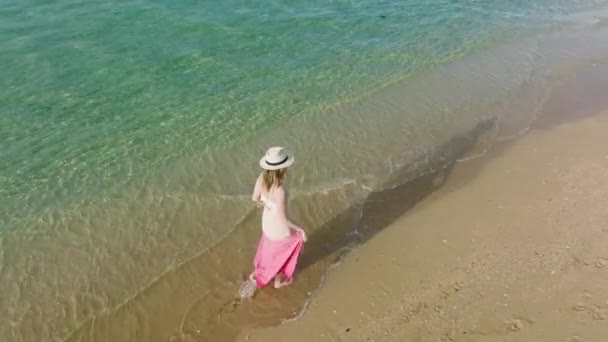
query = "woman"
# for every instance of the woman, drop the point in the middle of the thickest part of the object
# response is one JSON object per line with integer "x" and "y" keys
{"x": 282, "y": 240}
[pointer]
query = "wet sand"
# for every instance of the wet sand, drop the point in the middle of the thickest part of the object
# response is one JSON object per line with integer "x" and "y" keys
{"x": 511, "y": 247}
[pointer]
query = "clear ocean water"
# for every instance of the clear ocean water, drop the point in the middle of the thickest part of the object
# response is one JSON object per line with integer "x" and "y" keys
{"x": 130, "y": 130}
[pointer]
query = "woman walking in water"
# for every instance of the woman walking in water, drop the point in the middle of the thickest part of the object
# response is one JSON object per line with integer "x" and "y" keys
{"x": 282, "y": 240}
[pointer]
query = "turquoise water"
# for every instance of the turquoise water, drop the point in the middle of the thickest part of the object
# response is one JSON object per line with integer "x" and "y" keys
{"x": 130, "y": 130}
{"x": 100, "y": 93}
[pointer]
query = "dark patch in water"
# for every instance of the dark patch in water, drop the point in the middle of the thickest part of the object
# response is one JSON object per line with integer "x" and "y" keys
{"x": 581, "y": 96}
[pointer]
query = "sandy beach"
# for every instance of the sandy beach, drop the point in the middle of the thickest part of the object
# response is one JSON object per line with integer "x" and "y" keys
{"x": 512, "y": 247}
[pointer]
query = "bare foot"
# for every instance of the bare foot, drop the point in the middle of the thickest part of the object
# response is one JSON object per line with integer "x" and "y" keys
{"x": 252, "y": 276}
{"x": 279, "y": 282}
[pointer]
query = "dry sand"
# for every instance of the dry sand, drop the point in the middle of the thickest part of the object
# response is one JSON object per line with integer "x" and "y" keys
{"x": 513, "y": 247}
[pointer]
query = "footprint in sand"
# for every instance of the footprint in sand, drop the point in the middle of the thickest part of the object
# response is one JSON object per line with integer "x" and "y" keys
{"x": 601, "y": 263}
{"x": 579, "y": 307}
{"x": 598, "y": 313}
{"x": 514, "y": 325}
{"x": 448, "y": 291}
{"x": 594, "y": 311}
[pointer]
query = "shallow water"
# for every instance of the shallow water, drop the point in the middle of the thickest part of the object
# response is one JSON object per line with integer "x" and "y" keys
{"x": 126, "y": 130}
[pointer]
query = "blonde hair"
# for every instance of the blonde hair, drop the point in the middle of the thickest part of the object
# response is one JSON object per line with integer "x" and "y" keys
{"x": 273, "y": 178}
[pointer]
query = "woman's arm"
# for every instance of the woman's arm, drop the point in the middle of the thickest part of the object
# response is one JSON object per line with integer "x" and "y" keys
{"x": 257, "y": 190}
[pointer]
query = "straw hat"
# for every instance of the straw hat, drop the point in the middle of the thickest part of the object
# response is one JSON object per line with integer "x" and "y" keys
{"x": 276, "y": 158}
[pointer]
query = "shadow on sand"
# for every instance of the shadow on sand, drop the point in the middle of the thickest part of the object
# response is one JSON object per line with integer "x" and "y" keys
{"x": 381, "y": 208}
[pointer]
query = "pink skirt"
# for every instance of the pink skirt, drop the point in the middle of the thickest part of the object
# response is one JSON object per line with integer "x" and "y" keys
{"x": 276, "y": 256}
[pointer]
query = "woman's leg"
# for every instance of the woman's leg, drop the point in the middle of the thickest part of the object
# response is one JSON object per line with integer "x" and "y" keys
{"x": 281, "y": 281}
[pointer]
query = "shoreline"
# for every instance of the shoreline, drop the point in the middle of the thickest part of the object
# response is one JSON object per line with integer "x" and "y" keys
{"x": 511, "y": 220}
